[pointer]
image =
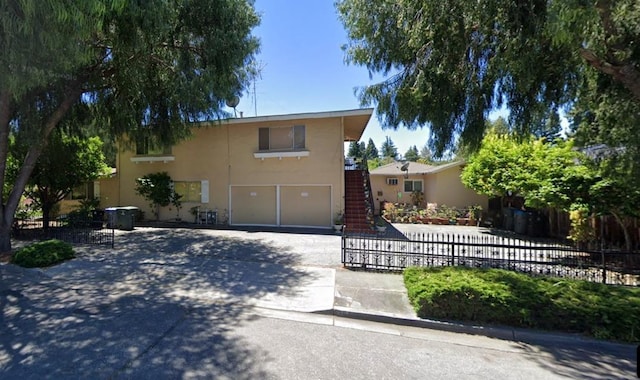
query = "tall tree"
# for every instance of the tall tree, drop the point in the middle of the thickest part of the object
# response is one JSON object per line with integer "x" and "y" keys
{"x": 371, "y": 151}
{"x": 450, "y": 62}
{"x": 355, "y": 150}
{"x": 426, "y": 157}
{"x": 389, "y": 149}
{"x": 412, "y": 154}
{"x": 141, "y": 68}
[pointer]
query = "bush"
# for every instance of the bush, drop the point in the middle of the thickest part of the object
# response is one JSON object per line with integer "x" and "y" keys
{"x": 43, "y": 254}
{"x": 508, "y": 298}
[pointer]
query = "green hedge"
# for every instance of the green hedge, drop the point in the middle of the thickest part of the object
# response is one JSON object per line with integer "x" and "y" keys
{"x": 43, "y": 254}
{"x": 508, "y": 298}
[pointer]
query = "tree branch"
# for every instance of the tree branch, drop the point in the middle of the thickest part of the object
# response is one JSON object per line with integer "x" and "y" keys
{"x": 627, "y": 74}
{"x": 603, "y": 7}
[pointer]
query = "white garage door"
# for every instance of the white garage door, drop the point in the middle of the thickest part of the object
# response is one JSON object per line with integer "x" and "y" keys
{"x": 281, "y": 205}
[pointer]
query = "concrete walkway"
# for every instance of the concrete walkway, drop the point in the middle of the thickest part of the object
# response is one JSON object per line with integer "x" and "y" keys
{"x": 155, "y": 276}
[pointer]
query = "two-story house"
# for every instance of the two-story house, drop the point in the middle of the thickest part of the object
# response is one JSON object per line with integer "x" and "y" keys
{"x": 283, "y": 170}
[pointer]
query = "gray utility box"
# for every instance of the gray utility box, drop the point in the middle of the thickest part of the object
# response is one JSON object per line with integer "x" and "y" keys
{"x": 122, "y": 218}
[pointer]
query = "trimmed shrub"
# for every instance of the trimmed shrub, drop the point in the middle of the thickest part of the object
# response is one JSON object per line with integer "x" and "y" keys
{"x": 43, "y": 254}
{"x": 508, "y": 298}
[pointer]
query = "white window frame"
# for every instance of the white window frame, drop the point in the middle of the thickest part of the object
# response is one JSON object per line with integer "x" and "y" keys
{"x": 392, "y": 181}
{"x": 412, "y": 181}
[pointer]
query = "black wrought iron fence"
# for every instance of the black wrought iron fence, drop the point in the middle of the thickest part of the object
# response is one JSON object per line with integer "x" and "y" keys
{"x": 76, "y": 229}
{"x": 533, "y": 257}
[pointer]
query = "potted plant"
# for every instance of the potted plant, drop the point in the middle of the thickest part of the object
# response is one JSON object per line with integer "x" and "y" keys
{"x": 381, "y": 225}
{"x": 475, "y": 212}
{"x": 177, "y": 203}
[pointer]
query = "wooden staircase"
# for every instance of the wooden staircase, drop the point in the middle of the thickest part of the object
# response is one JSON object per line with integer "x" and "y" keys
{"x": 358, "y": 212}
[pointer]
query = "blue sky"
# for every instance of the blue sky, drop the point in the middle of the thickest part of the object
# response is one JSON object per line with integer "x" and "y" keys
{"x": 304, "y": 69}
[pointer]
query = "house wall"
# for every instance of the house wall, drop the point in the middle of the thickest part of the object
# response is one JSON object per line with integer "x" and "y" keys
{"x": 446, "y": 188}
{"x": 392, "y": 193}
{"x": 68, "y": 205}
{"x": 109, "y": 194}
{"x": 223, "y": 155}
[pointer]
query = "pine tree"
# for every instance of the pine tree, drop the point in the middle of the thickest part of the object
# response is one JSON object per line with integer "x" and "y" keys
{"x": 371, "y": 151}
{"x": 389, "y": 149}
{"x": 412, "y": 154}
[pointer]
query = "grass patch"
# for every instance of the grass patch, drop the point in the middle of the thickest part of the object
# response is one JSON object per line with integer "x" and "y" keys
{"x": 43, "y": 254}
{"x": 502, "y": 297}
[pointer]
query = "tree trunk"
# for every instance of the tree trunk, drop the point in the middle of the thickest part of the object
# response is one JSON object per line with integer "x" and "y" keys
{"x": 46, "y": 210}
{"x": 5, "y": 233}
{"x": 627, "y": 236}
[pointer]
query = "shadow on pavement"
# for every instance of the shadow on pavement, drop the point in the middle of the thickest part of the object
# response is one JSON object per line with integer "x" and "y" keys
{"x": 161, "y": 306}
{"x": 575, "y": 358}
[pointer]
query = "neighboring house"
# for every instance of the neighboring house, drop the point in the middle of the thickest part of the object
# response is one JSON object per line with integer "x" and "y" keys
{"x": 284, "y": 170}
{"x": 440, "y": 184}
{"x": 85, "y": 191}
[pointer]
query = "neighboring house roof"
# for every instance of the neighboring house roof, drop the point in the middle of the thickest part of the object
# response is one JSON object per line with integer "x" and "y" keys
{"x": 599, "y": 151}
{"x": 353, "y": 121}
{"x": 395, "y": 168}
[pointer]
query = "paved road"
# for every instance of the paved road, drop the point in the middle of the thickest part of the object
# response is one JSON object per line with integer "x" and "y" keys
{"x": 228, "y": 304}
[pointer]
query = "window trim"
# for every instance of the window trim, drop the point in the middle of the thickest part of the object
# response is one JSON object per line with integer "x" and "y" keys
{"x": 164, "y": 159}
{"x": 390, "y": 181}
{"x": 404, "y": 185}
{"x": 280, "y": 155}
{"x": 265, "y": 132}
{"x": 197, "y": 199}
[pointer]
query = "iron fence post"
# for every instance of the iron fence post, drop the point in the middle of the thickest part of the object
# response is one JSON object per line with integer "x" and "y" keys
{"x": 604, "y": 267}
{"x": 453, "y": 250}
{"x": 343, "y": 247}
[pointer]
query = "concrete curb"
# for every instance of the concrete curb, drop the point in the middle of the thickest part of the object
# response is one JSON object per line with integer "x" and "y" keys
{"x": 503, "y": 333}
{"x": 500, "y": 333}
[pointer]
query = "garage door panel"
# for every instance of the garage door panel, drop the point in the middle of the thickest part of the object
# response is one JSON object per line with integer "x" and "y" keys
{"x": 305, "y": 206}
{"x": 253, "y": 205}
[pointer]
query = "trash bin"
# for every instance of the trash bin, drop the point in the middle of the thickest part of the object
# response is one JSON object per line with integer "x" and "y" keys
{"x": 97, "y": 217}
{"x": 520, "y": 222}
{"x": 507, "y": 218}
{"x": 126, "y": 217}
{"x": 536, "y": 224}
{"x": 112, "y": 216}
{"x": 122, "y": 218}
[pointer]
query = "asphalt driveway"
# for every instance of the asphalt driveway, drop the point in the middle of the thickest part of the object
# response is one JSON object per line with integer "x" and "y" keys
{"x": 165, "y": 301}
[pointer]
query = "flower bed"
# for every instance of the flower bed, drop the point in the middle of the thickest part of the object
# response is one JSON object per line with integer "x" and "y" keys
{"x": 431, "y": 214}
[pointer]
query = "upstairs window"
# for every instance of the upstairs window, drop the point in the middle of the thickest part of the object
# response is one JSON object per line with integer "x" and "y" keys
{"x": 281, "y": 138}
{"x": 147, "y": 147}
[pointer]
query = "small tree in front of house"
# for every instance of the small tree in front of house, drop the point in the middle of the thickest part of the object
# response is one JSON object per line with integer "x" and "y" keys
{"x": 157, "y": 189}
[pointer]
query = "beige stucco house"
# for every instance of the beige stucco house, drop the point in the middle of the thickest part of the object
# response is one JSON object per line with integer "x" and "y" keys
{"x": 440, "y": 184}
{"x": 283, "y": 170}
